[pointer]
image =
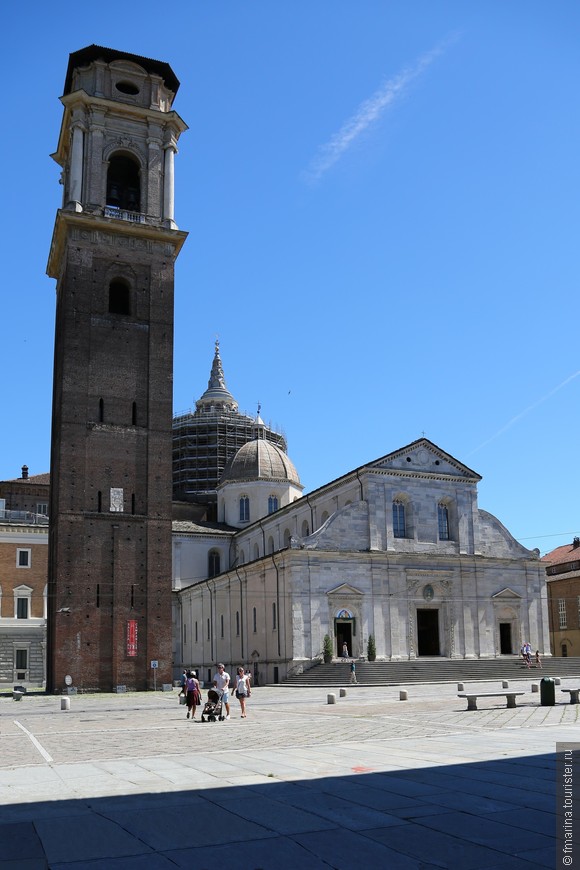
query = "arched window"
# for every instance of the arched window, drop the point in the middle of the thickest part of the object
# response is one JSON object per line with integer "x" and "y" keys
{"x": 305, "y": 529}
{"x": 287, "y": 537}
{"x": 244, "y": 509}
{"x": 256, "y": 551}
{"x": 123, "y": 185}
{"x": 272, "y": 504}
{"x": 399, "y": 529}
{"x": 324, "y": 517}
{"x": 271, "y": 550}
{"x": 443, "y": 521}
{"x": 119, "y": 298}
{"x": 213, "y": 563}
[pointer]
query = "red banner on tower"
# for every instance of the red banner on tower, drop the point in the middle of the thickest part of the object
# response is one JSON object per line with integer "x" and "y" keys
{"x": 132, "y": 637}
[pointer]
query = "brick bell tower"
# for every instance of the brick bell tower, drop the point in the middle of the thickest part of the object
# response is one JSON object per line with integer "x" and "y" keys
{"x": 113, "y": 253}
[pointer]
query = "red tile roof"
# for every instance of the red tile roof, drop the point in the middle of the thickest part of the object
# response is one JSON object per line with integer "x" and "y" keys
{"x": 566, "y": 553}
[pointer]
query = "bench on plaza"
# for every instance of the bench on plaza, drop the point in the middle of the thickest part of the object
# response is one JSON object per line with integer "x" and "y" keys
{"x": 472, "y": 697}
{"x": 573, "y": 695}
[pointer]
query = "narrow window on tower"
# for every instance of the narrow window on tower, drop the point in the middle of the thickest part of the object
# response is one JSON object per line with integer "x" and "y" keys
{"x": 134, "y": 414}
{"x": 133, "y": 503}
{"x": 101, "y": 411}
{"x": 119, "y": 298}
{"x": 98, "y": 602}
{"x": 132, "y": 596}
{"x": 99, "y": 501}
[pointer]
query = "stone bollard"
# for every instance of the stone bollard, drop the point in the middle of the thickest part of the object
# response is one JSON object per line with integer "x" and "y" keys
{"x": 403, "y": 695}
{"x": 557, "y": 681}
{"x": 535, "y": 687}
{"x": 505, "y": 684}
{"x": 342, "y": 693}
{"x": 331, "y": 698}
{"x": 65, "y": 703}
{"x": 460, "y": 687}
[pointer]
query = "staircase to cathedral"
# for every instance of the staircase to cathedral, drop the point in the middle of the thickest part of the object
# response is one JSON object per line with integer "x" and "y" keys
{"x": 433, "y": 670}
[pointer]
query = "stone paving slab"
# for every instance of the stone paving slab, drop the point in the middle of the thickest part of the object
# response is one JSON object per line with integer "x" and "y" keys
{"x": 367, "y": 782}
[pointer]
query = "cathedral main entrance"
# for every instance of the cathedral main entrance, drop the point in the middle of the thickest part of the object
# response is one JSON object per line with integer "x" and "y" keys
{"x": 343, "y": 634}
{"x": 505, "y": 638}
{"x": 428, "y": 633}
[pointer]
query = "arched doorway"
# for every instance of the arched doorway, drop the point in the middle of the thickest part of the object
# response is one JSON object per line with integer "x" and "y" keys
{"x": 344, "y": 631}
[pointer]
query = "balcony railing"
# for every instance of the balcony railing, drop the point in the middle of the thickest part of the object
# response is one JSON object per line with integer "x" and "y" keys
{"x": 28, "y": 517}
{"x": 135, "y": 217}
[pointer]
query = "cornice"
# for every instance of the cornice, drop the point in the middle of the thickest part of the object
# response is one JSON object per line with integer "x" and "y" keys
{"x": 66, "y": 220}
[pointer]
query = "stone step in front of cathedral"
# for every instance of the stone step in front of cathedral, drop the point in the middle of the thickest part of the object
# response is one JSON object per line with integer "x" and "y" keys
{"x": 433, "y": 670}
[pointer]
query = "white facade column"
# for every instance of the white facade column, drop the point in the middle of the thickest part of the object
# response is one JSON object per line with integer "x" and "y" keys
{"x": 76, "y": 166}
{"x": 169, "y": 186}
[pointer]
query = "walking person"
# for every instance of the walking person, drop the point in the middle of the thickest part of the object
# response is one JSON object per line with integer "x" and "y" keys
{"x": 243, "y": 690}
{"x": 352, "y": 672}
{"x": 221, "y": 681}
{"x": 345, "y": 650}
{"x": 538, "y": 659}
{"x": 193, "y": 691}
{"x": 183, "y": 682}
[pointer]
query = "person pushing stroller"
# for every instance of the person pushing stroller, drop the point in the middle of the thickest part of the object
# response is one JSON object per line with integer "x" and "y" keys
{"x": 221, "y": 681}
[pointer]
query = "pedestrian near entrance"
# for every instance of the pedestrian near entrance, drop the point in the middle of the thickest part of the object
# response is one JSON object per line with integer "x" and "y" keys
{"x": 352, "y": 672}
{"x": 221, "y": 681}
{"x": 183, "y": 682}
{"x": 345, "y": 650}
{"x": 538, "y": 659}
{"x": 193, "y": 691}
{"x": 243, "y": 690}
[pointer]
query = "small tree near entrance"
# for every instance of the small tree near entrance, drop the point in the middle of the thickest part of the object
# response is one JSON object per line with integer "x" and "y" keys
{"x": 327, "y": 649}
{"x": 371, "y": 648}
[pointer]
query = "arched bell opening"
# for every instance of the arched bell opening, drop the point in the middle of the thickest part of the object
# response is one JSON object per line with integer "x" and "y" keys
{"x": 123, "y": 183}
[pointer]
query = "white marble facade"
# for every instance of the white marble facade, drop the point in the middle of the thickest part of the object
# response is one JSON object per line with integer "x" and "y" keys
{"x": 397, "y": 548}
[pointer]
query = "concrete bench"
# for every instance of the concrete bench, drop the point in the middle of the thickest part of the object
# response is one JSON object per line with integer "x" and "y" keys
{"x": 472, "y": 697}
{"x": 573, "y": 695}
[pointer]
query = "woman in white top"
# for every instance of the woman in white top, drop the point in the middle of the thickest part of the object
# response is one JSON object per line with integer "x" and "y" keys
{"x": 243, "y": 690}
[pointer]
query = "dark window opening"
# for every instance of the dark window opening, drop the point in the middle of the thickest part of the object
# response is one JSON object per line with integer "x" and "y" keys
{"x": 214, "y": 565}
{"x": 21, "y": 660}
{"x": 134, "y": 414}
{"x": 22, "y": 608}
{"x": 123, "y": 187}
{"x": 99, "y": 501}
{"x": 119, "y": 298}
{"x": 101, "y": 411}
{"x": 127, "y": 88}
{"x": 133, "y": 503}
{"x": 98, "y": 595}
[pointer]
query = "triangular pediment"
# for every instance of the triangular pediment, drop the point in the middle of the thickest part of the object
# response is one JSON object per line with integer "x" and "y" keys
{"x": 423, "y": 456}
{"x": 506, "y": 593}
{"x": 344, "y": 589}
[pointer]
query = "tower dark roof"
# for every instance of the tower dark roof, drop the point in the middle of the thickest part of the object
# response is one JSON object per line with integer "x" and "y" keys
{"x": 84, "y": 56}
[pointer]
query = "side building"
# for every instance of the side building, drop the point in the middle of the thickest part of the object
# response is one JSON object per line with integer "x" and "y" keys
{"x": 563, "y": 576}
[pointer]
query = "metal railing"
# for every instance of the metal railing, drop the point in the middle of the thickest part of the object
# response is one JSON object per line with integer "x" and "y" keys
{"x": 7, "y": 516}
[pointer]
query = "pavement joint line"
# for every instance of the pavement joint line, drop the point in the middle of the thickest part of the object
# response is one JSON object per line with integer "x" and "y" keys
{"x": 47, "y": 757}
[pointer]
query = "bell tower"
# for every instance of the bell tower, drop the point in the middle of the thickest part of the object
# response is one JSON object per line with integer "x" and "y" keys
{"x": 113, "y": 253}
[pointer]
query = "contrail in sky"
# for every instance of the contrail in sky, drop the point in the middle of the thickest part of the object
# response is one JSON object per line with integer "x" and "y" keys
{"x": 524, "y": 412}
{"x": 370, "y": 111}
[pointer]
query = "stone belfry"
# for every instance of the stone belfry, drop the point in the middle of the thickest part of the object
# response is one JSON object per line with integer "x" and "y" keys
{"x": 113, "y": 253}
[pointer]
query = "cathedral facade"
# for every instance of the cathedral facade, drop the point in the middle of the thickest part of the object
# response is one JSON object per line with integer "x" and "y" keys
{"x": 397, "y": 549}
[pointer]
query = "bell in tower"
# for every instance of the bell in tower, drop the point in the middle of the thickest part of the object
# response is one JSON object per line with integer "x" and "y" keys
{"x": 113, "y": 253}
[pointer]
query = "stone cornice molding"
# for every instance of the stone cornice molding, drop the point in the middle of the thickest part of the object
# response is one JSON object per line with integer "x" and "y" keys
{"x": 66, "y": 220}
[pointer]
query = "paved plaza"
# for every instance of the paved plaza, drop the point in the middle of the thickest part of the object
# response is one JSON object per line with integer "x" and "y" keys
{"x": 127, "y": 782}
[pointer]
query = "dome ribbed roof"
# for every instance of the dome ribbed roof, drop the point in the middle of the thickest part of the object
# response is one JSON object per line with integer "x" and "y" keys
{"x": 260, "y": 460}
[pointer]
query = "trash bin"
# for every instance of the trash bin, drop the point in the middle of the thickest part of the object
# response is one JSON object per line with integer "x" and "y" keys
{"x": 547, "y": 692}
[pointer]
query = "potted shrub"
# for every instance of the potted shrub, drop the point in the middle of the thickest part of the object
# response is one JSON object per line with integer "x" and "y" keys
{"x": 327, "y": 649}
{"x": 371, "y": 649}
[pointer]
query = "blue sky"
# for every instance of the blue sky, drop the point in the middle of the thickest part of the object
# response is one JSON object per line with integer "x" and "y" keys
{"x": 383, "y": 208}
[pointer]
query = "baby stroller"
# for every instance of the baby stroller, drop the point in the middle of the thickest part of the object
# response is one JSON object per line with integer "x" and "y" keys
{"x": 213, "y": 707}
